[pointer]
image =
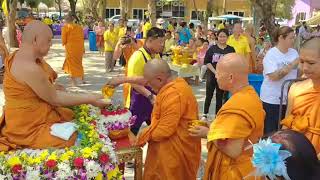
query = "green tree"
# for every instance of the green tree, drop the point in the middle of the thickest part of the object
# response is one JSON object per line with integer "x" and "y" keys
{"x": 49, "y": 3}
{"x": 73, "y": 4}
{"x": 284, "y": 8}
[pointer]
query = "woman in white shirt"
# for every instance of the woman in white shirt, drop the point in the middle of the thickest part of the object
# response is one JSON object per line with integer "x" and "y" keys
{"x": 280, "y": 64}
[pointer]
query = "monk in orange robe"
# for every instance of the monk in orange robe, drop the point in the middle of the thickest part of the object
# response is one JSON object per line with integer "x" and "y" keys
{"x": 172, "y": 153}
{"x": 32, "y": 102}
{"x": 73, "y": 40}
{"x": 303, "y": 112}
{"x": 240, "y": 120}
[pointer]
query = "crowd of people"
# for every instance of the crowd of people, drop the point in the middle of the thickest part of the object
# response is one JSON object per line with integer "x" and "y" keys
{"x": 167, "y": 104}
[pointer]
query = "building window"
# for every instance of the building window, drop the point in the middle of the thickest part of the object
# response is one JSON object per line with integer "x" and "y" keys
{"x": 301, "y": 16}
{"x": 237, "y": 13}
{"x": 170, "y": 9}
{"x": 112, "y": 12}
{"x": 194, "y": 15}
{"x": 139, "y": 13}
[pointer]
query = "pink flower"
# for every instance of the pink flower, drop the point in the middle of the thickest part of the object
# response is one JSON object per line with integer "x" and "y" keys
{"x": 51, "y": 164}
{"x": 78, "y": 162}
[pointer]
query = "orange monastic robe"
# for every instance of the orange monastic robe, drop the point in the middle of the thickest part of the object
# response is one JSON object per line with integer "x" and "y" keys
{"x": 27, "y": 119}
{"x": 305, "y": 114}
{"x": 241, "y": 117}
{"x": 172, "y": 153}
{"x": 73, "y": 40}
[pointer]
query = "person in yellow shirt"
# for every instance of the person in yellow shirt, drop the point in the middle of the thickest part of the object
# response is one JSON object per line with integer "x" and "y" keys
{"x": 110, "y": 41}
{"x": 146, "y": 27}
{"x": 121, "y": 29}
{"x": 221, "y": 26}
{"x": 169, "y": 42}
{"x": 170, "y": 26}
{"x": 143, "y": 96}
{"x": 239, "y": 42}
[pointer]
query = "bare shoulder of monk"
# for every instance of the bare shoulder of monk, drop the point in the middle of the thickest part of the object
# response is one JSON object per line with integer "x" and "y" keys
{"x": 31, "y": 74}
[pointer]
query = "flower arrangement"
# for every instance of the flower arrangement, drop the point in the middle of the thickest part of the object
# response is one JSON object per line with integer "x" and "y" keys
{"x": 92, "y": 157}
{"x": 115, "y": 121}
{"x": 269, "y": 160}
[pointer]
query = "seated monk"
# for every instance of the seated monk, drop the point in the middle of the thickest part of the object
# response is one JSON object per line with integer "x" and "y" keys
{"x": 303, "y": 113}
{"x": 32, "y": 103}
{"x": 172, "y": 153}
{"x": 238, "y": 122}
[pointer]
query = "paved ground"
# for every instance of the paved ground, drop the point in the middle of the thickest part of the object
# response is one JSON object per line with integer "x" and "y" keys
{"x": 96, "y": 77}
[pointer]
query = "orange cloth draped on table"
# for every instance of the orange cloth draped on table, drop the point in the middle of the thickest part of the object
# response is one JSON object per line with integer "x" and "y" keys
{"x": 127, "y": 52}
{"x": 73, "y": 40}
{"x": 305, "y": 114}
{"x": 172, "y": 153}
{"x": 235, "y": 121}
{"x": 27, "y": 119}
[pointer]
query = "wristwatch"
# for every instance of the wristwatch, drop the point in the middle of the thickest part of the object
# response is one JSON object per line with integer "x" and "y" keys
{"x": 150, "y": 97}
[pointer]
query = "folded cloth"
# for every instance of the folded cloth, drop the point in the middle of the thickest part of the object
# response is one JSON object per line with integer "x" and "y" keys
{"x": 63, "y": 130}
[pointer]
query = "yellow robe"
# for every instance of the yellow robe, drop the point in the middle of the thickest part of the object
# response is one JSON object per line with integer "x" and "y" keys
{"x": 73, "y": 40}
{"x": 305, "y": 114}
{"x": 27, "y": 119}
{"x": 172, "y": 153}
{"x": 241, "y": 117}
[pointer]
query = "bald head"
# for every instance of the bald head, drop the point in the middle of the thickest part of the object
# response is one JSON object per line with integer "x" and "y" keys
{"x": 33, "y": 30}
{"x": 234, "y": 63}
{"x": 157, "y": 73}
{"x": 157, "y": 67}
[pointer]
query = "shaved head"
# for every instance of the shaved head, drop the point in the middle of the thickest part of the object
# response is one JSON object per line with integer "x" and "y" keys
{"x": 232, "y": 72}
{"x": 38, "y": 36}
{"x": 158, "y": 66}
{"x": 310, "y": 59}
{"x": 234, "y": 63}
{"x": 34, "y": 29}
{"x": 312, "y": 44}
{"x": 158, "y": 73}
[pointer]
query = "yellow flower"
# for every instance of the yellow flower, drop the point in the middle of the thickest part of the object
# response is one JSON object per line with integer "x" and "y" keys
{"x": 13, "y": 161}
{"x": 2, "y": 153}
{"x": 23, "y": 156}
{"x": 113, "y": 173}
{"x": 87, "y": 152}
{"x": 53, "y": 156}
{"x": 70, "y": 153}
{"x": 64, "y": 157}
{"x": 44, "y": 155}
{"x": 96, "y": 146}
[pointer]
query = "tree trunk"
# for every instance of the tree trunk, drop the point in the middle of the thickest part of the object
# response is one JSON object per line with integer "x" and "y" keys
{"x": 195, "y": 8}
{"x": 73, "y": 7}
{"x": 11, "y": 23}
{"x": 209, "y": 11}
{"x": 58, "y": 2}
{"x": 152, "y": 11}
{"x": 267, "y": 9}
{"x": 102, "y": 14}
{"x": 123, "y": 7}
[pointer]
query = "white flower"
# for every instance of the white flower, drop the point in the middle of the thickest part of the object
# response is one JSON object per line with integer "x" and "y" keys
{"x": 33, "y": 173}
{"x": 7, "y": 177}
{"x": 64, "y": 171}
{"x": 93, "y": 169}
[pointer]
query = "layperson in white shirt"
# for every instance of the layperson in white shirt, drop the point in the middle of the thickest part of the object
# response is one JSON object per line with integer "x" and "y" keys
{"x": 280, "y": 64}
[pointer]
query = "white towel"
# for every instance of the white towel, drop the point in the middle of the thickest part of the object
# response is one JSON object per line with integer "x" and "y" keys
{"x": 63, "y": 130}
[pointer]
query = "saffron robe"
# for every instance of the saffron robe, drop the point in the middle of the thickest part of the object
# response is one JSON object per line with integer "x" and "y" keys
{"x": 172, "y": 153}
{"x": 73, "y": 40}
{"x": 235, "y": 120}
{"x": 27, "y": 119}
{"x": 305, "y": 113}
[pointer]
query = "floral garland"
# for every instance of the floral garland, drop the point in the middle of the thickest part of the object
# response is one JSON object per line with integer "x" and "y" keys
{"x": 92, "y": 157}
